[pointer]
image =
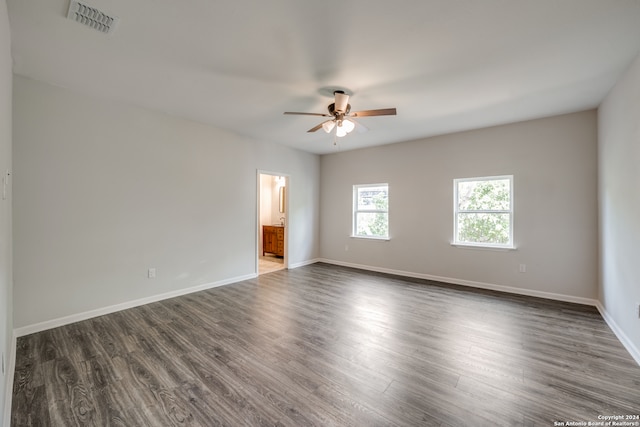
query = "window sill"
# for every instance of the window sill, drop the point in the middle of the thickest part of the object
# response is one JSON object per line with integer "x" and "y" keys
{"x": 383, "y": 239}
{"x": 483, "y": 247}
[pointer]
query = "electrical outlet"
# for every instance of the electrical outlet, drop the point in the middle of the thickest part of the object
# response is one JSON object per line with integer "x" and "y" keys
{"x": 523, "y": 268}
{"x": 152, "y": 273}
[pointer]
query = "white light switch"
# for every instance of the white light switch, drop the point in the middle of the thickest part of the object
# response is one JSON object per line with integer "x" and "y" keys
{"x": 5, "y": 184}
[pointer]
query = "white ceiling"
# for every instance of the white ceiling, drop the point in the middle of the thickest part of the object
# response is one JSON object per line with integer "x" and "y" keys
{"x": 447, "y": 65}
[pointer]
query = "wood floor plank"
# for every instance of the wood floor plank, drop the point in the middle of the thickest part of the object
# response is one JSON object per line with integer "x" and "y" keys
{"x": 326, "y": 345}
{"x": 237, "y": 406}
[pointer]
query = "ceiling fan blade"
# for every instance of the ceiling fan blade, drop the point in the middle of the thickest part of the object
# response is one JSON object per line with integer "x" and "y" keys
{"x": 307, "y": 114}
{"x": 381, "y": 112}
{"x": 342, "y": 100}
{"x": 360, "y": 128}
{"x": 315, "y": 128}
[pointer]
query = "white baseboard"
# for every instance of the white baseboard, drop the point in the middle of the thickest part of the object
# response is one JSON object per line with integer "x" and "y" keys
{"x": 624, "y": 339}
{"x": 480, "y": 285}
{"x": 626, "y": 342}
{"x": 66, "y": 320}
{"x": 54, "y": 323}
{"x": 10, "y": 370}
{"x": 303, "y": 263}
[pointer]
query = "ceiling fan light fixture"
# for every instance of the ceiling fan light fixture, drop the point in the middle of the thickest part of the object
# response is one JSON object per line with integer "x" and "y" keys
{"x": 340, "y": 113}
{"x": 348, "y": 125}
{"x": 328, "y": 126}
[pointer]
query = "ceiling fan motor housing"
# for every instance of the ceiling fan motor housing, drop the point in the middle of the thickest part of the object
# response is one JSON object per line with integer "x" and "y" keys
{"x": 342, "y": 101}
{"x": 335, "y": 112}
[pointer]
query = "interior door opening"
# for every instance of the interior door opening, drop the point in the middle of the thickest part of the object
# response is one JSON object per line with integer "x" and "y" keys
{"x": 272, "y": 222}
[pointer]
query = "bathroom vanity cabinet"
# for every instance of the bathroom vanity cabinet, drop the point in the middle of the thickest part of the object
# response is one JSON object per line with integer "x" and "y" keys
{"x": 273, "y": 239}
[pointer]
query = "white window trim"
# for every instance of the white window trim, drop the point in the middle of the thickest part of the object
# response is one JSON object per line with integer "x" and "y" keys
{"x": 496, "y": 246}
{"x": 355, "y": 212}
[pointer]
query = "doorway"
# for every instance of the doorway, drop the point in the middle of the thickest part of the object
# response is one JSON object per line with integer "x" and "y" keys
{"x": 272, "y": 222}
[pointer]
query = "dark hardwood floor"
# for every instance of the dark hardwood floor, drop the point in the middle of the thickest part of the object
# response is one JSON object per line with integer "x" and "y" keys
{"x": 326, "y": 345}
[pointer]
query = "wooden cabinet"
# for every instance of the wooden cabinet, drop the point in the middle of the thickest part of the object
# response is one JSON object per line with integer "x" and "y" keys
{"x": 273, "y": 240}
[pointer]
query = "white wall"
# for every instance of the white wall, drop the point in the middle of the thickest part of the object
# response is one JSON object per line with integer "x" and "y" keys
{"x": 6, "y": 305}
{"x": 553, "y": 161}
{"x": 105, "y": 190}
{"x": 619, "y": 200}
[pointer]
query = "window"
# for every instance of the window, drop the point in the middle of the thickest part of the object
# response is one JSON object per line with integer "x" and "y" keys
{"x": 371, "y": 211}
{"x": 483, "y": 211}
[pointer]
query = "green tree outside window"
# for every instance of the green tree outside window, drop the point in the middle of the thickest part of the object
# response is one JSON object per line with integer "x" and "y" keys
{"x": 484, "y": 211}
{"x": 371, "y": 211}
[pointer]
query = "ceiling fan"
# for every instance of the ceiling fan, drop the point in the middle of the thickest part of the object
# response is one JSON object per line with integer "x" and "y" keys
{"x": 341, "y": 116}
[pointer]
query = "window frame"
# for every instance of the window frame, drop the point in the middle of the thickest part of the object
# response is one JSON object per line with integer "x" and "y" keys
{"x": 510, "y": 211}
{"x": 356, "y": 211}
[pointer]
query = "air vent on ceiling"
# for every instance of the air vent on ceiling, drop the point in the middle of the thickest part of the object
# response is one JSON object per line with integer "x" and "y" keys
{"x": 91, "y": 17}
